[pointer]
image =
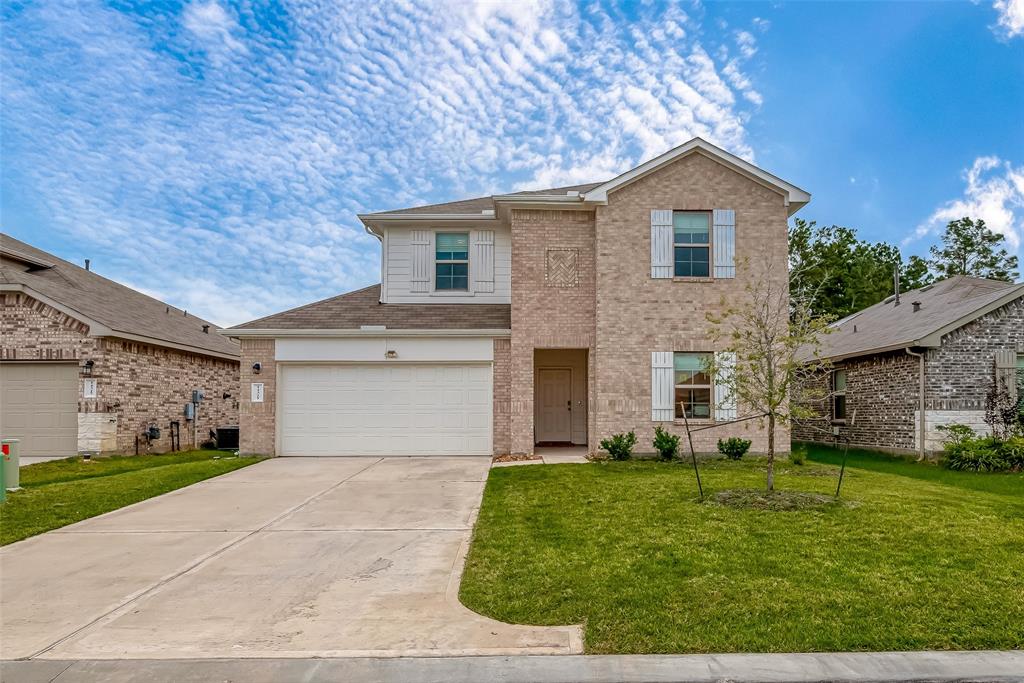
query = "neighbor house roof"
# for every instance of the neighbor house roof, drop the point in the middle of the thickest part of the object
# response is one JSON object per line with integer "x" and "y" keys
{"x": 591, "y": 194}
{"x": 941, "y": 308}
{"x": 362, "y": 309}
{"x": 109, "y": 308}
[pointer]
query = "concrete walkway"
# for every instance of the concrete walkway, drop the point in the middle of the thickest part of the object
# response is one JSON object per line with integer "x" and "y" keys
{"x": 859, "y": 667}
{"x": 291, "y": 557}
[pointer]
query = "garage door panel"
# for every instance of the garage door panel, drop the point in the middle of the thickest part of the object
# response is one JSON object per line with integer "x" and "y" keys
{"x": 39, "y": 406}
{"x": 415, "y": 409}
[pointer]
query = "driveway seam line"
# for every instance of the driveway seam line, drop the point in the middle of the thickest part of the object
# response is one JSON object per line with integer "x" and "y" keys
{"x": 202, "y": 560}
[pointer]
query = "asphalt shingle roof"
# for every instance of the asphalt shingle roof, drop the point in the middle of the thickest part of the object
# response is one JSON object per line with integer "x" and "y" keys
{"x": 362, "y": 307}
{"x": 886, "y": 325}
{"x": 104, "y": 301}
{"x": 476, "y": 205}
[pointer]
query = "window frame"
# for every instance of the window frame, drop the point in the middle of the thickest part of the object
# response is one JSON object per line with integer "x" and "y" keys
{"x": 710, "y": 244}
{"x": 837, "y": 393}
{"x": 710, "y": 386}
{"x": 453, "y": 291}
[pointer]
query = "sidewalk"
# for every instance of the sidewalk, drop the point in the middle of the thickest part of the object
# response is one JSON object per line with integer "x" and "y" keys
{"x": 848, "y": 667}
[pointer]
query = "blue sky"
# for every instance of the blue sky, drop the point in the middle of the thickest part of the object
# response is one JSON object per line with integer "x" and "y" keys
{"x": 215, "y": 154}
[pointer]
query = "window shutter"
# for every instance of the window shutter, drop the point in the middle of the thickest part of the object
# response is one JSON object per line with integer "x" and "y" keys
{"x": 419, "y": 247}
{"x": 661, "y": 243}
{"x": 725, "y": 402}
{"x": 724, "y": 237}
{"x": 482, "y": 261}
{"x": 1006, "y": 372}
{"x": 662, "y": 387}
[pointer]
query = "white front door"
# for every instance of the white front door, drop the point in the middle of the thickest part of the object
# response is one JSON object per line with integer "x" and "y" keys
{"x": 385, "y": 409}
{"x": 554, "y": 405}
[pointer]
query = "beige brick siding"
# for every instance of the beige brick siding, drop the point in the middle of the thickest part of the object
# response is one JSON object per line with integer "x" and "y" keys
{"x": 637, "y": 314}
{"x": 138, "y": 385}
{"x": 547, "y": 312}
{"x": 502, "y": 417}
{"x": 258, "y": 420}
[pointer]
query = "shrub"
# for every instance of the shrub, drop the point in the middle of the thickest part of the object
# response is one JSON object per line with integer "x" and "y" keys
{"x": 798, "y": 456}
{"x": 965, "y": 451}
{"x": 665, "y": 443}
{"x": 734, "y": 447}
{"x": 620, "y": 446}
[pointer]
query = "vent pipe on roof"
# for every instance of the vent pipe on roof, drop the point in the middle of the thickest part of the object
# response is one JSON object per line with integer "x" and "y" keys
{"x": 206, "y": 329}
{"x": 896, "y": 284}
{"x": 87, "y": 264}
{"x": 916, "y": 305}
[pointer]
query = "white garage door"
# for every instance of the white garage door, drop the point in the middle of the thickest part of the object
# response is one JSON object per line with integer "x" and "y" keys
{"x": 39, "y": 406}
{"x": 429, "y": 409}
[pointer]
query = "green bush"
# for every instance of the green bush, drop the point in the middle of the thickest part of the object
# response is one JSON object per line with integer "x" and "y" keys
{"x": 620, "y": 446}
{"x": 966, "y": 451}
{"x": 734, "y": 447}
{"x": 665, "y": 443}
{"x": 798, "y": 456}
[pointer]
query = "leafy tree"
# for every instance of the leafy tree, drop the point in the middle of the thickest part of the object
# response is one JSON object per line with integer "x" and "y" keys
{"x": 838, "y": 274}
{"x": 969, "y": 248}
{"x": 773, "y": 344}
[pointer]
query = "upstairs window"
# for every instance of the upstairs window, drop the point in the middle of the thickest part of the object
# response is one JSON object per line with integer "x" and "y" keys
{"x": 451, "y": 261}
{"x": 692, "y": 243}
{"x": 839, "y": 395}
{"x": 693, "y": 386}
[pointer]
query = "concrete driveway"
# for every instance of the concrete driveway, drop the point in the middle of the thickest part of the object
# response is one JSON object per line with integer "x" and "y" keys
{"x": 291, "y": 557}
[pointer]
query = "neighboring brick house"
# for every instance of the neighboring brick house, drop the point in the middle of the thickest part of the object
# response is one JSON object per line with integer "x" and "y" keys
{"x": 88, "y": 365}
{"x": 558, "y": 316}
{"x": 913, "y": 363}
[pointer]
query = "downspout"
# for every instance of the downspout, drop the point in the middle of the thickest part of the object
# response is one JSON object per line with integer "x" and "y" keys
{"x": 920, "y": 401}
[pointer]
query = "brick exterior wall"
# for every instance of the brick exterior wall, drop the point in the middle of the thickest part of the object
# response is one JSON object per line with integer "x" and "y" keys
{"x": 883, "y": 389}
{"x": 636, "y": 314}
{"x": 258, "y": 421}
{"x": 502, "y": 380}
{"x": 551, "y": 309}
{"x": 138, "y": 385}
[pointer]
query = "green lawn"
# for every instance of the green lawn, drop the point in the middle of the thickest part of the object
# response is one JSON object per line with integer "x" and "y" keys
{"x": 918, "y": 558}
{"x": 61, "y": 492}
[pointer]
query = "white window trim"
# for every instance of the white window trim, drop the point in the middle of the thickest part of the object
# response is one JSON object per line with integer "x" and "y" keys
{"x": 710, "y": 246}
{"x": 468, "y": 291}
{"x": 710, "y": 385}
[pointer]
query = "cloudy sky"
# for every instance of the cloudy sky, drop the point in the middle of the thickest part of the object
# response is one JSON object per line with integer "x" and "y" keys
{"x": 215, "y": 154}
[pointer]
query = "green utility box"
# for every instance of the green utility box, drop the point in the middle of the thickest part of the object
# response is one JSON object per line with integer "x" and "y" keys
{"x": 12, "y": 477}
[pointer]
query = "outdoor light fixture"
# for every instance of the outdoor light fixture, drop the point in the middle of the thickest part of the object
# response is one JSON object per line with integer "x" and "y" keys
{"x": 87, "y": 367}
{"x": 391, "y": 354}
{"x": 256, "y": 367}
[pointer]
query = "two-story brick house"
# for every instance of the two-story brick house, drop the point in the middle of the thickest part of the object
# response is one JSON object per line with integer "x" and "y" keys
{"x": 558, "y": 316}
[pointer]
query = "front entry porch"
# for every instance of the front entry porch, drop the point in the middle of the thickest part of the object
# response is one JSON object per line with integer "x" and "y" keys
{"x": 560, "y": 397}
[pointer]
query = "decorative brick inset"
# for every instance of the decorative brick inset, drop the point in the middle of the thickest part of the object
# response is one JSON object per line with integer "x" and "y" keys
{"x": 562, "y": 267}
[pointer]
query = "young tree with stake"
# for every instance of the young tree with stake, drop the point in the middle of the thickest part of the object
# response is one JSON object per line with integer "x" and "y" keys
{"x": 770, "y": 362}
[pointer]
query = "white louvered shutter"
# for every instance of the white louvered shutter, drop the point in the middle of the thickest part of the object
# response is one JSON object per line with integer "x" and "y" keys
{"x": 661, "y": 243}
{"x": 662, "y": 387}
{"x": 724, "y": 242}
{"x": 419, "y": 248}
{"x": 725, "y": 402}
{"x": 482, "y": 261}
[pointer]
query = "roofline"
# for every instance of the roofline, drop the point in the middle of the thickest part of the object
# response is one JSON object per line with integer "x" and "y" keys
{"x": 933, "y": 339}
{"x": 21, "y": 256}
{"x": 98, "y": 329}
{"x": 353, "y": 332}
{"x": 796, "y": 198}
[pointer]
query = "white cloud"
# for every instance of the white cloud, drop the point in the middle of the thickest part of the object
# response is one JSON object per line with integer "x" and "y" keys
{"x": 1011, "y": 17}
{"x": 994, "y": 193}
{"x": 747, "y": 44}
{"x": 218, "y": 154}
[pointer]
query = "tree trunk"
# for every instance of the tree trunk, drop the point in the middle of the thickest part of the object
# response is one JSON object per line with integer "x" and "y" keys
{"x": 771, "y": 452}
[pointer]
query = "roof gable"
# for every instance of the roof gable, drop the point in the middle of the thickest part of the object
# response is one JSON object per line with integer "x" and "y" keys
{"x": 108, "y": 307}
{"x": 794, "y": 196}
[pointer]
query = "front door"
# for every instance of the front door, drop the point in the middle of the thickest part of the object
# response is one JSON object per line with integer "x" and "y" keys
{"x": 554, "y": 405}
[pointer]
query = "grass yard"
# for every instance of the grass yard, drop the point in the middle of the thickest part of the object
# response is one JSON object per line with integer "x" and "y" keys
{"x": 61, "y": 492}
{"x": 917, "y": 558}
